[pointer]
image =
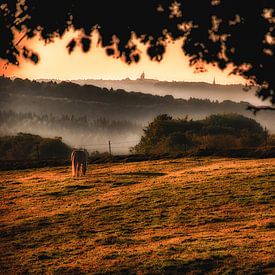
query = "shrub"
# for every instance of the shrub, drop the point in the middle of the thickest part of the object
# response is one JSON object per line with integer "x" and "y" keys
{"x": 219, "y": 142}
{"x": 27, "y": 146}
{"x": 53, "y": 148}
{"x": 223, "y": 131}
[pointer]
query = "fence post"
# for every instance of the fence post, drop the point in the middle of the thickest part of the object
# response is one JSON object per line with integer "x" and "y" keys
{"x": 265, "y": 137}
{"x": 110, "y": 151}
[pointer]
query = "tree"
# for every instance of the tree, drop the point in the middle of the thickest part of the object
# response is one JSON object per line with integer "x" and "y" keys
{"x": 238, "y": 33}
{"x": 27, "y": 146}
{"x": 221, "y": 131}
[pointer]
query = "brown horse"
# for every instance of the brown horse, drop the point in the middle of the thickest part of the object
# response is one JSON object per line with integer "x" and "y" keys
{"x": 79, "y": 159}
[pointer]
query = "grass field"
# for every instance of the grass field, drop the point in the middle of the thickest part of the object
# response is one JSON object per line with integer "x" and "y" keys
{"x": 189, "y": 215}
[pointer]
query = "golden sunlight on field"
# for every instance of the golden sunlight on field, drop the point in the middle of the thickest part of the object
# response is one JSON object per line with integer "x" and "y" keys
{"x": 154, "y": 217}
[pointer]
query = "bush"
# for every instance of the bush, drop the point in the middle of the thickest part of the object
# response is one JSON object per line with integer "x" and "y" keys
{"x": 271, "y": 140}
{"x": 53, "y": 148}
{"x": 219, "y": 142}
{"x": 32, "y": 147}
{"x": 224, "y": 131}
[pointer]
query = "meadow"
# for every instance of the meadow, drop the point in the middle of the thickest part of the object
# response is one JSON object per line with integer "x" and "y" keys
{"x": 183, "y": 216}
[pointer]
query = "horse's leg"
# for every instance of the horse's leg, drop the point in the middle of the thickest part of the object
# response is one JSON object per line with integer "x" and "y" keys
{"x": 84, "y": 168}
{"x": 77, "y": 170}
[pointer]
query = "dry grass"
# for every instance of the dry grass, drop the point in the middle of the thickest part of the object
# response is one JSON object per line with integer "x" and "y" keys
{"x": 154, "y": 217}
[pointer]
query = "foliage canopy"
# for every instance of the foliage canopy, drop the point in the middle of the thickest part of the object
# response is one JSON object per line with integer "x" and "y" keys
{"x": 221, "y": 131}
{"x": 27, "y": 146}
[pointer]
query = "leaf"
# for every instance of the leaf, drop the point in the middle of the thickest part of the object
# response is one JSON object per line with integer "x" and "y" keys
{"x": 110, "y": 51}
{"x": 34, "y": 58}
{"x": 71, "y": 45}
{"x": 86, "y": 44}
{"x": 136, "y": 57}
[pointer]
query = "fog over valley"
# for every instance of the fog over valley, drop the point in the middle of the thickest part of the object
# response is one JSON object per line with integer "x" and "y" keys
{"x": 89, "y": 116}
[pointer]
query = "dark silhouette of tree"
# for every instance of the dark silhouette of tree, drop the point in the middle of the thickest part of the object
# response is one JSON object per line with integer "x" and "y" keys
{"x": 238, "y": 33}
{"x": 25, "y": 146}
{"x": 222, "y": 131}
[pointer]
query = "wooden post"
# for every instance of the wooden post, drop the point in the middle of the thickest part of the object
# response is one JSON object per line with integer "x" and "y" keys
{"x": 265, "y": 137}
{"x": 110, "y": 150}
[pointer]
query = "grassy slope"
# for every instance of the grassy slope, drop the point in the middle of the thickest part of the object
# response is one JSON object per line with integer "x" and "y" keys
{"x": 152, "y": 217}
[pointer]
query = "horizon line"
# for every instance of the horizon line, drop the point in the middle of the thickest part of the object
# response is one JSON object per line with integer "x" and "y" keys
{"x": 127, "y": 78}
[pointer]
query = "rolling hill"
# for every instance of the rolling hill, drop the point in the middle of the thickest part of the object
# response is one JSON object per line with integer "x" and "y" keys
{"x": 88, "y": 103}
{"x": 179, "y": 89}
{"x": 182, "y": 216}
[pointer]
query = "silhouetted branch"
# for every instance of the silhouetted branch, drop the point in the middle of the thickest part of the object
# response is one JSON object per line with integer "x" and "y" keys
{"x": 256, "y": 109}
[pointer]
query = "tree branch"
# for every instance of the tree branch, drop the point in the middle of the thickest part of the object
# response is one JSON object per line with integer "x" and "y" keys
{"x": 256, "y": 109}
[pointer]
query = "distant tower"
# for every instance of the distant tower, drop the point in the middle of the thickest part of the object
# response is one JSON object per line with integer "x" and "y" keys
{"x": 214, "y": 81}
{"x": 142, "y": 76}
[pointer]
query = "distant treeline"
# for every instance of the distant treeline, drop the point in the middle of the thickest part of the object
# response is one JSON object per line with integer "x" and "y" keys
{"x": 10, "y": 119}
{"x": 32, "y": 147}
{"x": 70, "y": 98}
{"x": 74, "y": 91}
{"x": 216, "y": 132}
{"x": 92, "y": 93}
{"x": 221, "y": 135}
{"x": 74, "y": 111}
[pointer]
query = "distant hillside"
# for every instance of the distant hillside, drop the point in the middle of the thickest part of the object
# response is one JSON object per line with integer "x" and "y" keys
{"x": 70, "y": 110}
{"x": 180, "y": 89}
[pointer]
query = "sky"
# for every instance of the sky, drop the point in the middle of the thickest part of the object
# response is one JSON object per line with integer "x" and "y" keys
{"x": 56, "y": 63}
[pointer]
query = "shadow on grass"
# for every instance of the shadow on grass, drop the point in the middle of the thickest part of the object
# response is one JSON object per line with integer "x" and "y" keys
{"x": 68, "y": 271}
{"x": 23, "y": 230}
{"x": 79, "y": 187}
{"x": 68, "y": 190}
{"x": 199, "y": 265}
{"x": 143, "y": 173}
{"x": 125, "y": 183}
{"x": 173, "y": 266}
{"x": 114, "y": 240}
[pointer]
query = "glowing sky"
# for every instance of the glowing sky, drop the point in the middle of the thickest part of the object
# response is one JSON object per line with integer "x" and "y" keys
{"x": 56, "y": 63}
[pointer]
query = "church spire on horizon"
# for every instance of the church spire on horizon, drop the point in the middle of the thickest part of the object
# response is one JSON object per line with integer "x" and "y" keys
{"x": 142, "y": 76}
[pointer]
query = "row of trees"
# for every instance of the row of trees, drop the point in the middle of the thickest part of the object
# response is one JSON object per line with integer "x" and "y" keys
{"x": 223, "y": 131}
{"x": 69, "y": 98}
{"x": 27, "y": 146}
{"x": 92, "y": 94}
{"x": 74, "y": 91}
{"x": 10, "y": 119}
{"x": 163, "y": 135}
